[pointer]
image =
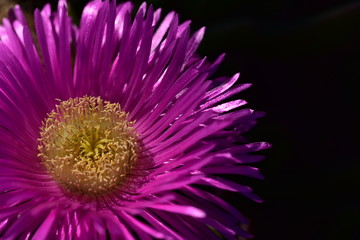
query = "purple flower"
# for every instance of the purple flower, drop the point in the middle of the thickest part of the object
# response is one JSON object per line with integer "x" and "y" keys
{"x": 117, "y": 129}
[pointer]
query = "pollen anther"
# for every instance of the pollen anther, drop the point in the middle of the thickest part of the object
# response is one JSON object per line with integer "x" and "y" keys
{"x": 88, "y": 145}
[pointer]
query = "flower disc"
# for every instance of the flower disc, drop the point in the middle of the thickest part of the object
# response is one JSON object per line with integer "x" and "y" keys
{"x": 88, "y": 145}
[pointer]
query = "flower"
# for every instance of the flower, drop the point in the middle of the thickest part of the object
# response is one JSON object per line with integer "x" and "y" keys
{"x": 117, "y": 130}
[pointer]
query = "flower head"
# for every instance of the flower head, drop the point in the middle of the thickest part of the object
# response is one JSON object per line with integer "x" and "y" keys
{"x": 116, "y": 129}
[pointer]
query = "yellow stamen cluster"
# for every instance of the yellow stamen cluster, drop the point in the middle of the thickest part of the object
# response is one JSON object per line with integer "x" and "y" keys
{"x": 88, "y": 145}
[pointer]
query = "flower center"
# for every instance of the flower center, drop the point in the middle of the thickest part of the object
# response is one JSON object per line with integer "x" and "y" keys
{"x": 88, "y": 145}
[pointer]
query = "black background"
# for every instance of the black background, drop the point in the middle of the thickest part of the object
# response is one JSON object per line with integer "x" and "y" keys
{"x": 303, "y": 60}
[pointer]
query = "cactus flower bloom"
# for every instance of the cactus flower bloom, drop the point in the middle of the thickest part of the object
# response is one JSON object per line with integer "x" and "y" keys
{"x": 117, "y": 129}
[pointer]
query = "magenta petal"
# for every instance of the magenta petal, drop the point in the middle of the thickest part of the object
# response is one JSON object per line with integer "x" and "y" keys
{"x": 219, "y": 202}
{"x": 117, "y": 229}
{"x": 142, "y": 226}
{"x": 161, "y": 225}
{"x": 17, "y": 14}
{"x": 186, "y": 210}
{"x": 231, "y": 169}
{"x": 195, "y": 137}
{"x": 46, "y": 228}
{"x": 231, "y": 186}
{"x": 163, "y": 28}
